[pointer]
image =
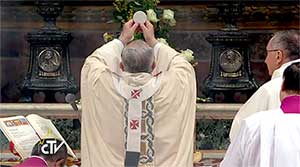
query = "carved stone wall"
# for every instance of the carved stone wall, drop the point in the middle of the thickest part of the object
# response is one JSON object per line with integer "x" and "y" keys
{"x": 88, "y": 20}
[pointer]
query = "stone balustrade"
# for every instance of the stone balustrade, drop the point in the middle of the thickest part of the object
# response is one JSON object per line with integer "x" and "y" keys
{"x": 65, "y": 111}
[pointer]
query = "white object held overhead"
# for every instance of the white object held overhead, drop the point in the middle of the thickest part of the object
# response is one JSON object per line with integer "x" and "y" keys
{"x": 139, "y": 17}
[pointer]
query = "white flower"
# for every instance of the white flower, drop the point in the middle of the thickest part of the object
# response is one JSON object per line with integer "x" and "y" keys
{"x": 151, "y": 15}
{"x": 168, "y": 14}
{"x": 162, "y": 40}
{"x": 187, "y": 54}
{"x": 172, "y": 22}
{"x": 107, "y": 37}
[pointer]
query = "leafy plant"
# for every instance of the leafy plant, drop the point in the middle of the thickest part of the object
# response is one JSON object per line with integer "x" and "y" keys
{"x": 162, "y": 19}
{"x": 70, "y": 130}
{"x": 212, "y": 134}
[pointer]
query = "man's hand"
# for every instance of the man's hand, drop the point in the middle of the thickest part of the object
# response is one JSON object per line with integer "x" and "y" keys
{"x": 128, "y": 30}
{"x": 148, "y": 32}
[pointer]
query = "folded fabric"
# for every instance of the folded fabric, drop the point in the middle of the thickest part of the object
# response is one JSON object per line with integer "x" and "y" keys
{"x": 33, "y": 161}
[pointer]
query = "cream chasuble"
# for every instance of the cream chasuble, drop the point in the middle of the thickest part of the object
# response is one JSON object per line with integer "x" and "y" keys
{"x": 268, "y": 139}
{"x": 265, "y": 98}
{"x": 165, "y": 125}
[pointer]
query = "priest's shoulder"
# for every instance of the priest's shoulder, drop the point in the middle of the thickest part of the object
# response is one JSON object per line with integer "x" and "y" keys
{"x": 260, "y": 116}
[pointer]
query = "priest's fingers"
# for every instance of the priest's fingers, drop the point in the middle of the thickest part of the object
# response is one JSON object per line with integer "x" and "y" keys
{"x": 148, "y": 33}
{"x": 149, "y": 25}
{"x": 128, "y": 31}
{"x": 129, "y": 22}
{"x": 143, "y": 27}
{"x": 135, "y": 25}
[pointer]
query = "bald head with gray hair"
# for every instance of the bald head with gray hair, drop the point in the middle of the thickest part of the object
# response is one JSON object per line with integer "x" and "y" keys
{"x": 288, "y": 41}
{"x": 138, "y": 57}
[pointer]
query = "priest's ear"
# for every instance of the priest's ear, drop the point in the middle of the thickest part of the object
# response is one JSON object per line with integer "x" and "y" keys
{"x": 122, "y": 66}
{"x": 279, "y": 58}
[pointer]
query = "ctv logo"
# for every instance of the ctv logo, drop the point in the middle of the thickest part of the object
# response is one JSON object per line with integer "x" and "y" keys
{"x": 50, "y": 146}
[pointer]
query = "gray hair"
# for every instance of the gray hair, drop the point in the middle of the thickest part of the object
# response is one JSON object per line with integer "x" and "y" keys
{"x": 137, "y": 57}
{"x": 289, "y": 42}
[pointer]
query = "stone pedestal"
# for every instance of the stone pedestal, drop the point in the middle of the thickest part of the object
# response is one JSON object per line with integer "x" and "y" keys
{"x": 49, "y": 66}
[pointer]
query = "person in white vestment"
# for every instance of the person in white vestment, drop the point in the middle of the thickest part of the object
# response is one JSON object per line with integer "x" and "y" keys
{"x": 138, "y": 104}
{"x": 271, "y": 138}
{"x": 282, "y": 50}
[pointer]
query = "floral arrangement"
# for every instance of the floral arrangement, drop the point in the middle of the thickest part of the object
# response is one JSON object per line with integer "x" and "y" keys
{"x": 162, "y": 19}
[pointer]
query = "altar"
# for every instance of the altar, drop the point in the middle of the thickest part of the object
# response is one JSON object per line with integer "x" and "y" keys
{"x": 228, "y": 40}
{"x": 65, "y": 111}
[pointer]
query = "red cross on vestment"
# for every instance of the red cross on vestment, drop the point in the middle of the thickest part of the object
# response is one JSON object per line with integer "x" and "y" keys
{"x": 134, "y": 124}
{"x": 135, "y": 94}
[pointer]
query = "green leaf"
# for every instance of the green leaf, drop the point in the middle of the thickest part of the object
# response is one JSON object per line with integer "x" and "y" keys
{"x": 119, "y": 17}
{"x": 138, "y": 4}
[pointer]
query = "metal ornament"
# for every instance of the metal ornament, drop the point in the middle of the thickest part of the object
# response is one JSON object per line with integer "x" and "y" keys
{"x": 49, "y": 65}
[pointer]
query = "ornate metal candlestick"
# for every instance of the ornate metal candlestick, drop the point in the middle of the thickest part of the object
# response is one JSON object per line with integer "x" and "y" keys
{"x": 230, "y": 75}
{"x": 49, "y": 68}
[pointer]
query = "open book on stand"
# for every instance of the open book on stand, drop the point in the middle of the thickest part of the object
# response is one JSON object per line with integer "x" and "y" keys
{"x": 25, "y": 132}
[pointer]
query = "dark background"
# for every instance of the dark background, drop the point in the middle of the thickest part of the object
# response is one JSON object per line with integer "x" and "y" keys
{"x": 87, "y": 20}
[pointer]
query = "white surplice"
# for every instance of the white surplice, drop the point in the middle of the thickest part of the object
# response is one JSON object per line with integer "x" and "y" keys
{"x": 265, "y": 98}
{"x": 266, "y": 139}
{"x": 102, "y": 135}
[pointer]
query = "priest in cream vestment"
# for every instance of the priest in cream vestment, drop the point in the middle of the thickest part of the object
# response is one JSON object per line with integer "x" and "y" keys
{"x": 149, "y": 114}
{"x": 271, "y": 138}
{"x": 282, "y": 51}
